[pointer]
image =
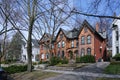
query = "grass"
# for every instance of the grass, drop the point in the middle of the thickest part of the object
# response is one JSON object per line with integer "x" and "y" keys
{"x": 35, "y": 75}
{"x": 107, "y": 79}
{"x": 113, "y": 68}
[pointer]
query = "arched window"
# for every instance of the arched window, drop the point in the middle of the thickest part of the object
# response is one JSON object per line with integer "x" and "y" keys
{"x": 58, "y": 54}
{"x": 62, "y": 54}
{"x": 89, "y": 51}
{"x": 82, "y": 52}
{"x": 88, "y": 39}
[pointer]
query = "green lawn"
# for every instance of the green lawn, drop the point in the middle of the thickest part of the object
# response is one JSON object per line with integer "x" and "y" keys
{"x": 107, "y": 79}
{"x": 113, "y": 68}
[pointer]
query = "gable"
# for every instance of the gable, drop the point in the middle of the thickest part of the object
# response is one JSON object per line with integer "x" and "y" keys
{"x": 60, "y": 36}
{"x": 45, "y": 37}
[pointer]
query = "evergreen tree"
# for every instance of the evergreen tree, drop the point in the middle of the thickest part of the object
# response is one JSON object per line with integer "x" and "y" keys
{"x": 15, "y": 47}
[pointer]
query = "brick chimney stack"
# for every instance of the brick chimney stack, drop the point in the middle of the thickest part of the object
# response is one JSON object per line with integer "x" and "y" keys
{"x": 97, "y": 27}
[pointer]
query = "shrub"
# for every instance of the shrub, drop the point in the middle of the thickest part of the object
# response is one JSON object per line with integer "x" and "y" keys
{"x": 117, "y": 57}
{"x": 64, "y": 61}
{"x": 16, "y": 69}
{"x": 115, "y": 63}
{"x": 87, "y": 59}
{"x": 34, "y": 63}
{"x": 54, "y": 60}
{"x": 43, "y": 62}
{"x": 77, "y": 59}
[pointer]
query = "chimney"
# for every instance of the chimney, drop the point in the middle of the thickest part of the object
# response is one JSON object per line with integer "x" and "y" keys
{"x": 97, "y": 27}
{"x": 114, "y": 15}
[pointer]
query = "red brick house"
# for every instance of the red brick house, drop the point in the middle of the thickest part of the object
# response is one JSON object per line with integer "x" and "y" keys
{"x": 45, "y": 47}
{"x": 92, "y": 42}
{"x": 66, "y": 43}
{"x": 78, "y": 42}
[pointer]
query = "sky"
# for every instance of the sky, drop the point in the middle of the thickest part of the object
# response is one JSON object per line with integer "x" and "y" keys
{"x": 85, "y": 6}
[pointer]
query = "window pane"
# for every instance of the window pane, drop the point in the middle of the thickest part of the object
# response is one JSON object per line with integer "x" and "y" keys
{"x": 59, "y": 45}
{"x": 88, "y": 39}
{"x": 62, "y": 54}
{"x": 89, "y": 51}
{"x": 72, "y": 44}
{"x": 58, "y": 54}
{"x": 63, "y": 44}
{"x": 82, "y": 40}
{"x": 82, "y": 52}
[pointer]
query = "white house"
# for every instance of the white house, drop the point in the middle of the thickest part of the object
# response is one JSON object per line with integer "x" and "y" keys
{"x": 35, "y": 51}
{"x": 115, "y": 37}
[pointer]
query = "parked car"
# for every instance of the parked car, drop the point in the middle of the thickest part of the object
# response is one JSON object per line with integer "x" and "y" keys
{"x": 3, "y": 74}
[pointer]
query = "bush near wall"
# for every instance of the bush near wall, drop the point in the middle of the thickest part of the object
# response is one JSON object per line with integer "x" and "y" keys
{"x": 16, "y": 69}
{"x": 117, "y": 57}
{"x": 64, "y": 61}
{"x": 57, "y": 60}
{"x": 54, "y": 60}
{"x": 86, "y": 59}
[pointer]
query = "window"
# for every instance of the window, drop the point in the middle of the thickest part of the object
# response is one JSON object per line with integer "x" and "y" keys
{"x": 63, "y": 44}
{"x": 77, "y": 43}
{"x": 72, "y": 44}
{"x": 52, "y": 46}
{"x": 58, "y": 54}
{"x": 82, "y": 40}
{"x": 61, "y": 36}
{"x": 42, "y": 56}
{"x": 85, "y": 29}
{"x": 89, "y": 39}
{"x": 117, "y": 50}
{"x": 59, "y": 45}
{"x": 47, "y": 55}
{"x": 82, "y": 52}
{"x": 117, "y": 36}
{"x": 89, "y": 51}
{"x": 62, "y": 54}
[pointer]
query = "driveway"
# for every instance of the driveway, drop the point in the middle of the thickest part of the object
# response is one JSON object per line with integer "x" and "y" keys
{"x": 70, "y": 77}
{"x": 94, "y": 68}
{"x": 90, "y": 72}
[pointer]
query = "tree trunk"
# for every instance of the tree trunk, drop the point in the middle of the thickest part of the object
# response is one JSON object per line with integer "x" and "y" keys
{"x": 29, "y": 50}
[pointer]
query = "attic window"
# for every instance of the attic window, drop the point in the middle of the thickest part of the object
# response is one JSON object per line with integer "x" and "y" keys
{"x": 61, "y": 36}
{"x": 85, "y": 29}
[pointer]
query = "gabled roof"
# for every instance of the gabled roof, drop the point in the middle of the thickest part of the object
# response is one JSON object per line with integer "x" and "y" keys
{"x": 71, "y": 34}
{"x": 85, "y": 22}
{"x": 47, "y": 34}
{"x": 48, "y": 37}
